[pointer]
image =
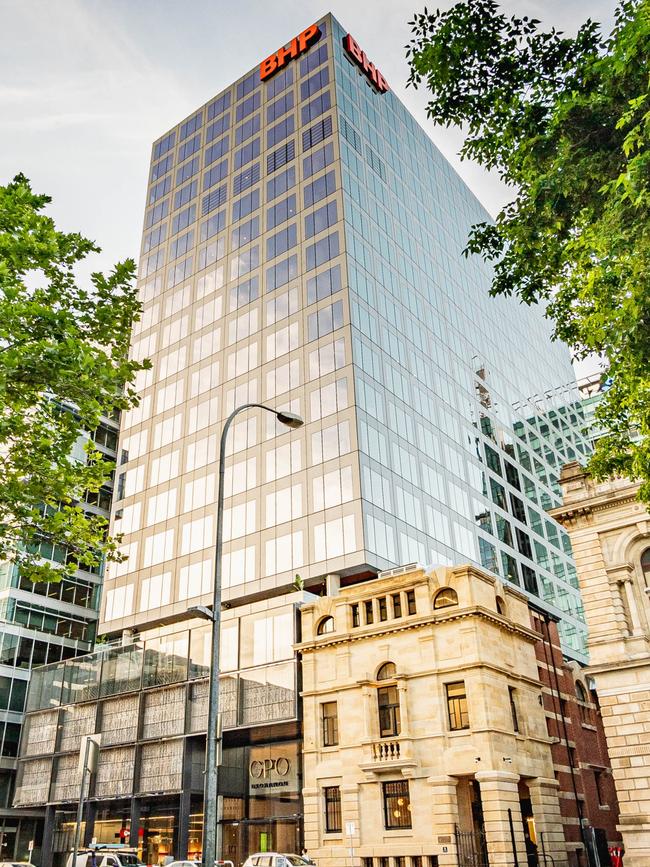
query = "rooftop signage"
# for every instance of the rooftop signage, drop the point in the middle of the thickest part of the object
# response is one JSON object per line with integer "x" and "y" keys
{"x": 298, "y": 45}
{"x": 359, "y": 57}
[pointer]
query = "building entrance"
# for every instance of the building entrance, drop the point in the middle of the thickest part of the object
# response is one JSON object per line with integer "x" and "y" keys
{"x": 244, "y": 838}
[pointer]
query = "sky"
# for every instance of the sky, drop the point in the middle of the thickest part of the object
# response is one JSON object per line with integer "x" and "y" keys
{"x": 86, "y": 86}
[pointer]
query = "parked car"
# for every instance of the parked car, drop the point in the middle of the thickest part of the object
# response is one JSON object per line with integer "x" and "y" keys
{"x": 109, "y": 856}
{"x": 277, "y": 859}
{"x": 15, "y": 864}
{"x": 190, "y": 863}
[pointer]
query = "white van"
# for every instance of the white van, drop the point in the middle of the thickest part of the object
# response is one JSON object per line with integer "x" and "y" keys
{"x": 121, "y": 856}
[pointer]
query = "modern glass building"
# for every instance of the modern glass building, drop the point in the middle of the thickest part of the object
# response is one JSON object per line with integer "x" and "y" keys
{"x": 41, "y": 624}
{"x": 302, "y": 247}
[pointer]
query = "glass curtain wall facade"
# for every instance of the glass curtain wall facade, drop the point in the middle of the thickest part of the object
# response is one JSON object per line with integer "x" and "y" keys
{"x": 302, "y": 246}
{"x": 149, "y": 702}
{"x": 42, "y": 624}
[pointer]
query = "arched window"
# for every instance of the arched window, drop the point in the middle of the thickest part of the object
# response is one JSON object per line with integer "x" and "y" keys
{"x": 645, "y": 566}
{"x": 501, "y": 606}
{"x": 387, "y": 671}
{"x": 445, "y": 597}
{"x": 581, "y": 695}
{"x": 326, "y": 625}
{"x": 388, "y": 703}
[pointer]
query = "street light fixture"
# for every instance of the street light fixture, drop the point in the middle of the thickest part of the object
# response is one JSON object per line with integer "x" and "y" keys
{"x": 213, "y": 737}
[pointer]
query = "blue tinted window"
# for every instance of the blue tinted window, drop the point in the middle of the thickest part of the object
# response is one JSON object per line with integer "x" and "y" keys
{"x": 314, "y": 58}
{"x": 280, "y": 157}
{"x": 219, "y": 105}
{"x": 214, "y": 200}
{"x": 219, "y": 127}
{"x": 279, "y": 82}
{"x": 185, "y": 194}
{"x": 280, "y": 131}
{"x": 181, "y": 245}
{"x": 324, "y": 321}
{"x": 248, "y": 84}
{"x": 155, "y": 237}
{"x": 248, "y": 106}
{"x": 281, "y": 273}
{"x": 281, "y": 242}
{"x": 245, "y": 262}
{"x": 316, "y": 107}
{"x": 155, "y": 215}
{"x": 314, "y": 83}
{"x": 316, "y": 133}
{"x": 281, "y": 183}
{"x": 213, "y": 225}
{"x": 191, "y": 126}
{"x": 215, "y": 174}
{"x": 209, "y": 255}
{"x": 161, "y": 168}
{"x": 246, "y": 179}
{"x": 183, "y": 219}
{"x": 284, "y": 210}
{"x": 165, "y": 144}
{"x": 179, "y": 272}
{"x": 318, "y": 160}
{"x": 186, "y": 171}
{"x": 246, "y": 130}
{"x": 279, "y": 107}
{"x": 247, "y": 153}
{"x": 321, "y": 219}
{"x": 160, "y": 189}
{"x": 189, "y": 147}
{"x": 245, "y": 233}
{"x": 322, "y": 251}
{"x": 244, "y": 293}
{"x": 324, "y": 284}
{"x": 320, "y": 188}
{"x": 244, "y": 206}
{"x": 216, "y": 151}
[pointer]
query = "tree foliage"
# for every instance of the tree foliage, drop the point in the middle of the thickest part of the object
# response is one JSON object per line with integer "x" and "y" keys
{"x": 566, "y": 122}
{"x": 63, "y": 364}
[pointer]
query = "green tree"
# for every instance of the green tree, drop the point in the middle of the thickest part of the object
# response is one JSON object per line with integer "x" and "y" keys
{"x": 63, "y": 363}
{"x": 566, "y": 122}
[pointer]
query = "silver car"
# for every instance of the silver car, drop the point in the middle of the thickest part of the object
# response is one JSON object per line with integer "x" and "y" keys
{"x": 277, "y": 859}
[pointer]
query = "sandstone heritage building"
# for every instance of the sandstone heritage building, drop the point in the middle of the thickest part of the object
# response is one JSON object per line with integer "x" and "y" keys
{"x": 429, "y": 739}
{"x": 610, "y": 535}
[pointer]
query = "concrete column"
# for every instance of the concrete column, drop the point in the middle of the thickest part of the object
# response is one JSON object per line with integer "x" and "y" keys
{"x": 548, "y": 819}
{"x": 48, "y": 838}
{"x": 500, "y": 793}
{"x": 444, "y": 818}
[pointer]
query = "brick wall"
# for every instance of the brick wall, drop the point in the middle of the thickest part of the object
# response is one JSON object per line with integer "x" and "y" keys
{"x": 570, "y": 717}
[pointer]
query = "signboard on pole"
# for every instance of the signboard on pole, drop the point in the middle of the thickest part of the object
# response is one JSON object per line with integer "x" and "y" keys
{"x": 89, "y": 753}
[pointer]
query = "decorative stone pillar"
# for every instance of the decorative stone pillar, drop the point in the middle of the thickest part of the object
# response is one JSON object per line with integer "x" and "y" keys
{"x": 548, "y": 819}
{"x": 500, "y": 793}
{"x": 444, "y": 815}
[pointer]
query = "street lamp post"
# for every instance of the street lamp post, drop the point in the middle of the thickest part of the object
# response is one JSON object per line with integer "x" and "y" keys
{"x": 213, "y": 738}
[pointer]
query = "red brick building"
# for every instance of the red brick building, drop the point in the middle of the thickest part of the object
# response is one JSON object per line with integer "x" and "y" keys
{"x": 580, "y": 757}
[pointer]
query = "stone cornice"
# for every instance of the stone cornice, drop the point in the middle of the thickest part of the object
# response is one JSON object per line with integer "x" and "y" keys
{"x": 599, "y": 502}
{"x": 363, "y": 633}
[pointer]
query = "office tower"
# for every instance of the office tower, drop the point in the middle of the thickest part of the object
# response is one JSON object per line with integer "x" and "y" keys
{"x": 302, "y": 247}
{"x": 42, "y": 624}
